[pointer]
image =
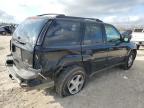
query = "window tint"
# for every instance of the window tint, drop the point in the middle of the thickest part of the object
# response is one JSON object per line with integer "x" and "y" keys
{"x": 93, "y": 34}
{"x": 112, "y": 34}
{"x": 62, "y": 33}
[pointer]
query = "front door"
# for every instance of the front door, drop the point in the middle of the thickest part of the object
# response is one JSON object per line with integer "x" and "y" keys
{"x": 117, "y": 49}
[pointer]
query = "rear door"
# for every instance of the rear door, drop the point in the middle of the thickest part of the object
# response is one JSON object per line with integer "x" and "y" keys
{"x": 61, "y": 45}
{"x": 117, "y": 49}
{"x": 94, "y": 51}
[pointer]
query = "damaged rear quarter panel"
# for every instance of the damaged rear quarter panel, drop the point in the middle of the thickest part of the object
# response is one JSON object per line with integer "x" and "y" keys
{"x": 54, "y": 58}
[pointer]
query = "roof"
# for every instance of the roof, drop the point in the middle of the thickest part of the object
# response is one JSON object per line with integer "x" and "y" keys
{"x": 68, "y": 17}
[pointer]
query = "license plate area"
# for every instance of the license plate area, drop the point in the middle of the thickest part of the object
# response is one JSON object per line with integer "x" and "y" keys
{"x": 17, "y": 52}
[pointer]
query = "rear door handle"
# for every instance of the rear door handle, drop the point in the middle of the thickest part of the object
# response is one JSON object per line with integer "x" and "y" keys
{"x": 111, "y": 48}
{"x": 89, "y": 52}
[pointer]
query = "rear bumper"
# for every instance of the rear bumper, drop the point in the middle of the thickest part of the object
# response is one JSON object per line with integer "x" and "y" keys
{"x": 29, "y": 79}
{"x": 25, "y": 74}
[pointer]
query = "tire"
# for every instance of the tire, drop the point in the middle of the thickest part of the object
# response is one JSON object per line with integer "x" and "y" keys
{"x": 4, "y": 33}
{"x": 63, "y": 83}
{"x": 138, "y": 46}
{"x": 129, "y": 61}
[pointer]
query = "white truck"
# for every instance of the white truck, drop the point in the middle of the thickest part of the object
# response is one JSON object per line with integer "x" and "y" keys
{"x": 138, "y": 37}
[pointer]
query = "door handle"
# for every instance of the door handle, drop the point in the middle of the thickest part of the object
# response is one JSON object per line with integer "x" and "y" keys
{"x": 111, "y": 48}
{"x": 89, "y": 52}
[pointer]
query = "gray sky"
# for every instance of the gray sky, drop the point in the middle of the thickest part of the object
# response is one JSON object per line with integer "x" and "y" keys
{"x": 108, "y": 10}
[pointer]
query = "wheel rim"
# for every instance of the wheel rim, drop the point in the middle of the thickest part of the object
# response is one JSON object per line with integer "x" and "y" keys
{"x": 3, "y": 33}
{"x": 76, "y": 84}
{"x": 130, "y": 60}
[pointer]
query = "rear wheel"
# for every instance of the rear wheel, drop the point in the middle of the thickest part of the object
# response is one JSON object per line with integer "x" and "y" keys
{"x": 70, "y": 81}
{"x": 75, "y": 84}
{"x": 3, "y": 33}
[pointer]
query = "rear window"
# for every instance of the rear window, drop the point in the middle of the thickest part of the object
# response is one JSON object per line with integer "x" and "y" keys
{"x": 61, "y": 33}
{"x": 93, "y": 34}
{"x": 138, "y": 30}
{"x": 29, "y": 30}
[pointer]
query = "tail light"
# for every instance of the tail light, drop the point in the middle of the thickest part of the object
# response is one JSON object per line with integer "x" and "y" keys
{"x": 27, "y": 58}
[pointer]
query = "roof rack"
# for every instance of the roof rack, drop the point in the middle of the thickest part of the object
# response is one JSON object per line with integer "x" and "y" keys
{"x": 93, "y": 19}
{"x": 63, "y": 16}
{"x": 51, "y": 14}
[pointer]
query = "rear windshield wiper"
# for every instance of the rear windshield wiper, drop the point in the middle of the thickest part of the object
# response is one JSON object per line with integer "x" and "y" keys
{"x": 23, "y": 43}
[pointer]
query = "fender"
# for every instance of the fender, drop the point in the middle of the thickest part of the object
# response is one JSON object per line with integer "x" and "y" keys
{"x": 68, "y": 60}
{"x": 53, "y": 59}
{"x": 132, "y": 47}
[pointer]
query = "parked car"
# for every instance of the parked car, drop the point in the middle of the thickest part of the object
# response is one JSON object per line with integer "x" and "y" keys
{"x": 64, "y": 51}
{"x": 7, "y": 29}
{"x": 138, "y": 37}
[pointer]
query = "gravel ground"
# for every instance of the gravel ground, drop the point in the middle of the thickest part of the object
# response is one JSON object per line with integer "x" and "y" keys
{"x": 114, "y": 88}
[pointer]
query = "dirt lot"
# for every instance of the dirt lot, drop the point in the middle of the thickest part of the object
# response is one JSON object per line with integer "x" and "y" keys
{"x": 114, "y": 88}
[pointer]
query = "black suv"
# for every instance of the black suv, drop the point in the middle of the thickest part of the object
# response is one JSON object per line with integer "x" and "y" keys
{"x": 64, "y": 51}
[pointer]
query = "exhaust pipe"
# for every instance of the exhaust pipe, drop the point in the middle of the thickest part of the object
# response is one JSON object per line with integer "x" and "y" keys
{"x": 11, "y": 77}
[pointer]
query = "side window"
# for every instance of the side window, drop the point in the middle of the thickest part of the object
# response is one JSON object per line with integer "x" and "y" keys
{"x": 93, "y": 34}
{"x": 112, "y": 34}
{"x": 62, "y": 33}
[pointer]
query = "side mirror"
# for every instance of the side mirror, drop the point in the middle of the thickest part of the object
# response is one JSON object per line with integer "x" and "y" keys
{"x": 127, "y": 35}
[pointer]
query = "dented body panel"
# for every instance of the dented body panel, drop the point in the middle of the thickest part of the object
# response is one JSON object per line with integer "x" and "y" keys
{"x": 54, "y": 58}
